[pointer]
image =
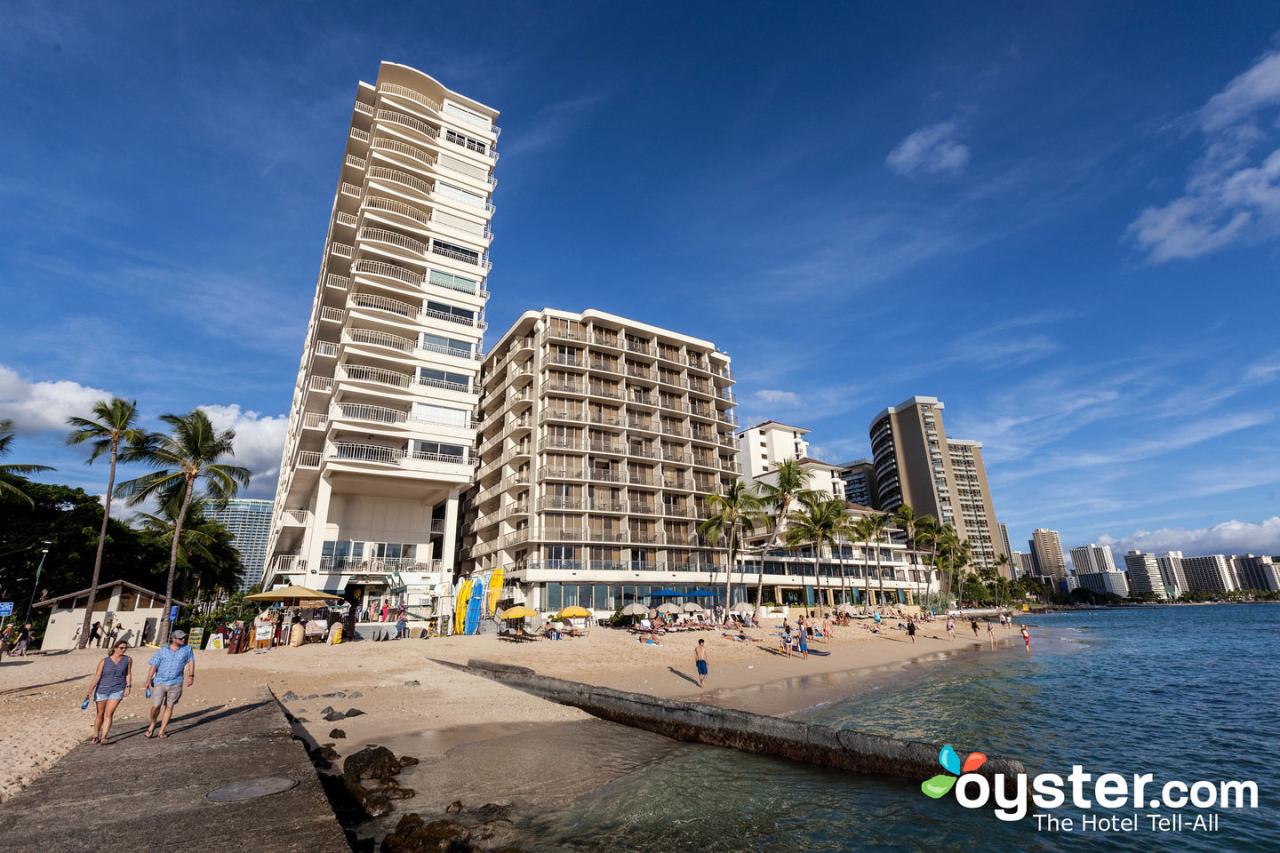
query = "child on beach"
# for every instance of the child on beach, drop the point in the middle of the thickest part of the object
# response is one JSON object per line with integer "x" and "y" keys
{"x": 951, "y": 628}
{"x": 786, "y": 637}
{"x": 911, "y": 629}
{"x": 1026, "y": 638}
{"x": 700, "y": 660}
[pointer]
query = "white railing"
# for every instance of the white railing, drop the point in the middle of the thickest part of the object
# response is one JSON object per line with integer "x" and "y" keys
{"x": 443, "y": 383}
{"x": 383, "y": 339}
{"x": 408, "y": 121}
{"x": 322, "y": 383}
{"x": 384, "y": 174}
{"x": 409, "y": 94}
{"x": 419, "y": 155}
{"x": 347, "y": 220}
{"x": 331, "y": 314}
{"x": 339, "y": 281}
{"x": 394, "y": 238}
{"x": 364, "y": 109}
{"x": 354, "y": 161}
{"x": 296, "y": 516}
{"x": 342, "y": 250}
{"x": 390, "y": 205}
{"x": 314, "y": 420}
{"x": 326, "y": 348}
{"x": 388, "y": 270}
{"x": 439, "y": 457}
{"x": 449, "y": 318}
{"x": 378, "y": 414}
{"x": 360, "y": 373}
{"x": 360, "y": 135}
{"x": 384, "y": 303}
{"x": 309, "y": 459}
{"x": 367, "y": 453}
{"x": 456, "y": 254}
{"x": 352, "y": 189}
{"x": 288, "y": 563}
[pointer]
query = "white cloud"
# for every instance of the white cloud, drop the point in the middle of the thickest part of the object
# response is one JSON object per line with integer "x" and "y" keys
{"x": 1231, "y": 192}
{"x": 44, "y": 406}
{"x": 933, "y": 149}
{"x": 259, "y": 441}
{"x": 1229, "y": 537}
{"x": 783, "y": 398}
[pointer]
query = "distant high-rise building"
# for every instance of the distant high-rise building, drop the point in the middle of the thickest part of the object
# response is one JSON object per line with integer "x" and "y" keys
{"x": 1209, "y": 573}
{"x": 249, "y": 523}
{"x": 1004, "y": 540}
{"x": 1144, "y": 575}
{"x": 917, "y": 464}
{"x": 1175, "y": 579}
{"x": 859, "y": 482}
{"x": 1024, "y": 564}
{"x": 765, "y": 446}
{"x": 1105, "y": 583}
{"x": 1256, "y": 572}
{"x": 381, "y": 442}
{"x": 1046, "y": 550}
{"x": 1090, "y": 559}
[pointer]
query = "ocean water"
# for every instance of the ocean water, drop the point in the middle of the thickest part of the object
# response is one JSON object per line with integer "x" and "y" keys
{"x": 1184, "y": 693}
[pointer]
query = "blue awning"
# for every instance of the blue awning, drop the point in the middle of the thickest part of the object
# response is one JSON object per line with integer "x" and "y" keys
{"x": 700, "y": 593}
{"x": 666, "y": 593}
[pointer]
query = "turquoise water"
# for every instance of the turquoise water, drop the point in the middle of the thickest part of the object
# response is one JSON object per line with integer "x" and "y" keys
{"x": 1181, "y": 692}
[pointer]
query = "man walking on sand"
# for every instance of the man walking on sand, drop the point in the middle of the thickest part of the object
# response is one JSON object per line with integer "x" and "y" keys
{"x": 700, "y": 660}
{"x": 168, "y": 667}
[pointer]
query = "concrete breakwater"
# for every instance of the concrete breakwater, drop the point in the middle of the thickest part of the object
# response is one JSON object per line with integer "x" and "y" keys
{"x": 691, "y": 722}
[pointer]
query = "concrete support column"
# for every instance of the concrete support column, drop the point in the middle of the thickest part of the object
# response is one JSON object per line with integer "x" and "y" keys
{"x": 449, "y": 547}
{"x": 313, "y": 538}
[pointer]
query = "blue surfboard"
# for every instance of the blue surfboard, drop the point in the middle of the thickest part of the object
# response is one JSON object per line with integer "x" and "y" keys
{"x": 475, "y": 608}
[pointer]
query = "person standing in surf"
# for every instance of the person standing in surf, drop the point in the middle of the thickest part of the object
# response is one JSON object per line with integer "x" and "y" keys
{"x": 1026, "y": 638}
{"x": 991, "y": 634}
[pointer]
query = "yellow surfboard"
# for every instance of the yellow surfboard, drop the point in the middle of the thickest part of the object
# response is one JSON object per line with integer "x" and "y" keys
{"x": 495, "y": 590}
{"x": 460, "y": 606}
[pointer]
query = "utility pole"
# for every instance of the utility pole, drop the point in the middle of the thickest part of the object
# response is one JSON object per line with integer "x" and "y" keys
{"x": 44, "y": 552}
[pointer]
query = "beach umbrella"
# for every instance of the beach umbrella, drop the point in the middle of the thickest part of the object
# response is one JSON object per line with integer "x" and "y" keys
{"x": 635, "y": 610}
{"x": 743, "y": 607}
{"x": 666, "y": 593}
{"x": 290, "y": 593}
{"x": 846, "y": 608}
{"x": 668, "y": 608}
{"x": 575, "y": 612}
{"x": 700, "y": 593}
{"x": 692, "y": 608}
{"x": 518, "y": 612}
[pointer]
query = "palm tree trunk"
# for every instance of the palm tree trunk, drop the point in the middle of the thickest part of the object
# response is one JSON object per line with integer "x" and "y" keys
{"x": 173, "y": 563}
{"x": 728, "y": 575}
{"x": 816, "y": 589}
{"x": 102, "y": 541}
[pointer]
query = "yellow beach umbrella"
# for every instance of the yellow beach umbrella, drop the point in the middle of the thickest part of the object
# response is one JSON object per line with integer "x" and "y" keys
{"x": 575, "y": 612}
{"x": 518, "y": 612}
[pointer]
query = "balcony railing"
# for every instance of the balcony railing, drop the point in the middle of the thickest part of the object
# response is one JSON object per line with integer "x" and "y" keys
{"x": 309, "y": 459}
{"x": 382, "y": 173}
{"x": 391, "y": 205}
{"x": 365, "y": 265}
{"x": 341, "y": 282}
{"x": 409, "y": 122}
{"x": 394, "y": 238}
{"x": 384, "y": 303}
{"x": 444, "y": 383}
{"x": 361, "y": 373}
{"x": 409, "y": 94}
{"x": 382, "y": 339}
{"x": 450, "y": 318}
{"x": 367, "y": 453}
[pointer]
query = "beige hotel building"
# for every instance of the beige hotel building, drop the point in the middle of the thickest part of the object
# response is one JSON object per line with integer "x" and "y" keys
{"x": 600, "y": 440}
{"x": 380, "y": 442}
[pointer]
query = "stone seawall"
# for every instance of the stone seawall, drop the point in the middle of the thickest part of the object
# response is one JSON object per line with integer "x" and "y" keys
{"x": 707, "y": 724}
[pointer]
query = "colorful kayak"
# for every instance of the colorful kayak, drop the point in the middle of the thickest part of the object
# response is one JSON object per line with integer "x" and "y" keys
{"x": 460, "y": 606}
{"x": 495, "y": 591}
{"x": 475, "y": 608}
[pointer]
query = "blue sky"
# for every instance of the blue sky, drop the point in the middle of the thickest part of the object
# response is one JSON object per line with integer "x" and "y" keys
{"x": 1062, "y": 221}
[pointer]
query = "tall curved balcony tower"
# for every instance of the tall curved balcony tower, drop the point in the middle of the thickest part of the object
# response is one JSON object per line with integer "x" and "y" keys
{"x": 380, "y": 438}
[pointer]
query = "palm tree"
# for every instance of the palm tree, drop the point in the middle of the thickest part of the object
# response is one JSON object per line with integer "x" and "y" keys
{"x": 846, "y": 531}
{"x": 906, "y": 520}
{"x": 12, "y": 470}
{"x": 792, "y": 480}
{"x": 928, "y": 533}
{"x": 735, "y": 513}
{"x": 114, "y": 434}
{"x": 817, "y": 524}
{"x": 205, "y": 546}
{"x": 184, "y": 460}
{"x": 873, "y": 529}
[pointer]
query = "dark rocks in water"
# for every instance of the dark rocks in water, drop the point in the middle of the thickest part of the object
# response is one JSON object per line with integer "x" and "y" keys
{"x": 301, "y": 720}
{"x": 354, "y": 694}
{"x": 414, "y": 835}
{"x": 375, "y": 804}
{"x": 324, "y": 753}
{"x": 354, "y": 712}
{"x": 407, "y": 761}
{"x": 492, "y": 811}
{"x": 331, "y": 716}
{"x": 289, "y": 696}
{"x": 454, "y": 807}
{"x": 337, "y": 733}
{"x": 321, "y": 764}
{"x": 337, "y": 694}
{"x": 372, "y": 762}
{"x": 413, "y": 683}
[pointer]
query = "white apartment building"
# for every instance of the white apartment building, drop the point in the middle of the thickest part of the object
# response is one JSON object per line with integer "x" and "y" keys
{"x": 763, "y": 447}
{"x": 380, "y": 439}
{"x": 1092, "y": 559}
{"x": 1172, "y": 574}
{"x": 1254, "y": 572}
{"x": 1144, "y": 575}
{"x": 1105, "y": 583}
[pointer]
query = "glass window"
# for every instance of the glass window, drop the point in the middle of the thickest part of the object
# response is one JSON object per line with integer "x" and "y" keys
{"x": 453, "y": 282}
{"x": 441, "y": 414}
{"x": 553, "y": 596}
{"x": 452, "y": 310}
{"x": 437, "y": 343}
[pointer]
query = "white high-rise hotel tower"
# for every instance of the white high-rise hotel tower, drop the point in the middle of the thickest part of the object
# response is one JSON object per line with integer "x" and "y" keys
{"x": 380, "y": 439}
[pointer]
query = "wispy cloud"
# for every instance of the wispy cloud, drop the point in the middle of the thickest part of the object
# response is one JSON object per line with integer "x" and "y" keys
{"x": 930, "y": 150}
{"x": 1233, "y": 190}
{"x": 550, "y": 126}
{"x": 258, "y": 443}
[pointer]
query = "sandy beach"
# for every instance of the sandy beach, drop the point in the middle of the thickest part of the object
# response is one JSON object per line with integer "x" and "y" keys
{"x": 418, "y": 706}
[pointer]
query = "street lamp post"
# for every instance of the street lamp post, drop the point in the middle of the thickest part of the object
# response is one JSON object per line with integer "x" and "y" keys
{"x": 44, "y": 552}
